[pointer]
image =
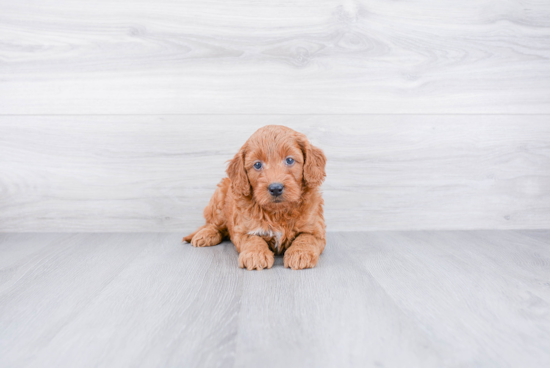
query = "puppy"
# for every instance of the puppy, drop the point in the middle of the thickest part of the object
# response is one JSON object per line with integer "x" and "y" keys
{"x": 270, "y": 203}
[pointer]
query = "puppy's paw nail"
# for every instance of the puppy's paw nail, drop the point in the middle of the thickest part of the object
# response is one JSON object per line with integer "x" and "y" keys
{"x": 256, "y": 260}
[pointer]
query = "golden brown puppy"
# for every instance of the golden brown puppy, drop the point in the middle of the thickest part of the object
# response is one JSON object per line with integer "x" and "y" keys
{"x": 270, "y": 203}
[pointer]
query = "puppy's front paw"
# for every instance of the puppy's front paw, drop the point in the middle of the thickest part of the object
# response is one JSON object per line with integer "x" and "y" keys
{"x": 206, "y": 238}
{"x": 300, "y": 258}
{"x": 256, "y": 259}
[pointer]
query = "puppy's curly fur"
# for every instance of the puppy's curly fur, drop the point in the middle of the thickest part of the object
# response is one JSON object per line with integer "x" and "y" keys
{"x": 259, "y": 222}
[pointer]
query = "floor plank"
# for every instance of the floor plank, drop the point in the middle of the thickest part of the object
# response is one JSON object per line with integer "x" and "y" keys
{"x": 46, "y": 291}
{"x": 471, "y": 292}
{"x": 392, "y": 298}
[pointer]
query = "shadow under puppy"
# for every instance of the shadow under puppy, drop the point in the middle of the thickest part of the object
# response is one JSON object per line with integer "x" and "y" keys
{"x": 270, "y": 203}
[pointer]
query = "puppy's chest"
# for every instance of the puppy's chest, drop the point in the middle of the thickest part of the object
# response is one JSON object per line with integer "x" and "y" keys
{"x": 277, "y": 239}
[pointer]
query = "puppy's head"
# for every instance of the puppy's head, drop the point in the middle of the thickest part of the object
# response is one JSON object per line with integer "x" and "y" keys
{"x": 275, "y": 166}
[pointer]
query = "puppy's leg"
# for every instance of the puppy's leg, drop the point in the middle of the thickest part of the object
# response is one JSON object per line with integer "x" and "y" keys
{"x": 304, "y": 252}
{"x": 254, "y": 253}
{"x": 216, "y": 228}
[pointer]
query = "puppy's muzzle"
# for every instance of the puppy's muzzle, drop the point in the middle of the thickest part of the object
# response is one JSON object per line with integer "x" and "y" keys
{"x": 276, "y": 189}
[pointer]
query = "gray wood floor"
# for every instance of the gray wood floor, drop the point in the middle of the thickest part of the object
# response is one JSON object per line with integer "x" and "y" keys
{"x": 376, "y": 299}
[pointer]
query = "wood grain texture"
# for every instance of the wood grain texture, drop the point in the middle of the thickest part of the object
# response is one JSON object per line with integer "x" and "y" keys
{"x": 415, "y": 299}
{"x": 156, "y": 173}
{"x": 117, "y": 300}
{"x": 245, "y": 56}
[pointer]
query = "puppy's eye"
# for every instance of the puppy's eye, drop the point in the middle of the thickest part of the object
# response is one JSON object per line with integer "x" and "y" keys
{"x": 289, "y": 161}
{"x": 258, "y": 165}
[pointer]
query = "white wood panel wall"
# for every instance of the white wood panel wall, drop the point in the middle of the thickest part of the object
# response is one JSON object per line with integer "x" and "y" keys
{"x": 144, "y": 173}
{"x": 274, "y": 56}
{"x": 119, "y": 115}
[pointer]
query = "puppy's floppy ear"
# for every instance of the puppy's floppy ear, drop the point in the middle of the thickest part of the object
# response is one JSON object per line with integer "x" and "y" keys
{"x": 314, "y": 164}
{"x": 237, "y": 174}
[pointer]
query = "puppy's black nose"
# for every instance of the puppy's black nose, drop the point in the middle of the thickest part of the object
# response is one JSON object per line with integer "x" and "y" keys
{"x": 276, "y": 189}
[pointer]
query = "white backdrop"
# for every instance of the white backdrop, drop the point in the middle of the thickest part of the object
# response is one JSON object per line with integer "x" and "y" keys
{"x": 119, "y": 116}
